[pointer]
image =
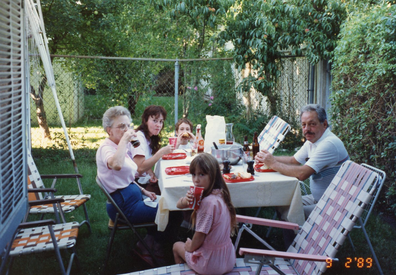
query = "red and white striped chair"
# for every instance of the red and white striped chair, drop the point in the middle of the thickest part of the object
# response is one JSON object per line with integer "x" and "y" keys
{"x": 327, "y": 227}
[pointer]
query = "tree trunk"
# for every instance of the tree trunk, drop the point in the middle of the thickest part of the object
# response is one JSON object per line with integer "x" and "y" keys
{"x": 132, "y": 101}
{"x": 40, "y": 112}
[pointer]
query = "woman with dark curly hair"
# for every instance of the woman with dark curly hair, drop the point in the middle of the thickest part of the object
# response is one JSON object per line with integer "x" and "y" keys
{"x": 150, "y": 151}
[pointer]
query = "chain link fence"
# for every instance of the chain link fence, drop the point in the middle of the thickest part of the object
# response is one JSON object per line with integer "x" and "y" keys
{"x": 87, "y": 86}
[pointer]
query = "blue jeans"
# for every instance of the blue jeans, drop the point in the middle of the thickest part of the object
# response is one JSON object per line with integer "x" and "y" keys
{"x": 130, "y": 201}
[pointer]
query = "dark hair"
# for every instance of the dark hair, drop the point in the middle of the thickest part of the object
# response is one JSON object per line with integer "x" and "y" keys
{"x": 183, "y": 120}
{"x": 322, "y": 116}
{"x": 152, "y": 111}
{"x": 208, "y": 165}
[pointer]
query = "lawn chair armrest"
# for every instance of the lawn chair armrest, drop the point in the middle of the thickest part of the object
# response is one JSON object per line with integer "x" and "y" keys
{"x": 61, "y": 176}
{"x": 285, "y": 255}
{"x": 38, "y": 190}
{"x": 23, "y": 225}
{"x": 267, "y": 222}
{"x": 45, "y": 201}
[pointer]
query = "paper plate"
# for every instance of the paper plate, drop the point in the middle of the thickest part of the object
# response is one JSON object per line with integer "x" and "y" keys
{"x": 174, "y": 156}
{"x": 177, "y": 170}
{"x": 225, "y": 176}
{"x": 258, "y": 166}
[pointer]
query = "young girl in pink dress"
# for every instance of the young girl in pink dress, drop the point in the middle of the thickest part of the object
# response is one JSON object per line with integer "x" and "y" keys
{"x": 211, "y": 250}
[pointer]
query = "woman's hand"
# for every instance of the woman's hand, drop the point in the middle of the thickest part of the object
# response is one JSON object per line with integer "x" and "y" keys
{"x": 153, "y": 178}
{"x": 117, "y": 161}
{"x": 149, "y": 194}
{"x": 166, "y": 150}
{"x": 128, "y": 135}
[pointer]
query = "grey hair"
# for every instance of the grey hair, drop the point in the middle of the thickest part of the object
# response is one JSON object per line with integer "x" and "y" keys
{"x": 315, "y": 108}
{"x": 112, "y": 113}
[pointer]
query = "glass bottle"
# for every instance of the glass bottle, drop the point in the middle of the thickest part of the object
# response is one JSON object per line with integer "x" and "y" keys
{"x": 255, "y": 145}
{"x": 246, "y": 150}
{"x": 200, "y": 140}
{"x": 246, "y": 144}
{"x": 229, "y": 135}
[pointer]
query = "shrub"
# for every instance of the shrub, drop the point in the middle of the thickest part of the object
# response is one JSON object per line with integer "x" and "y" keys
{"x": 363, "y": 100}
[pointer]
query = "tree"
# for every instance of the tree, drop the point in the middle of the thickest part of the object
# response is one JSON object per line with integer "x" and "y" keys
{"x": 262, "y": 32}
{"x": 363, "y": 98}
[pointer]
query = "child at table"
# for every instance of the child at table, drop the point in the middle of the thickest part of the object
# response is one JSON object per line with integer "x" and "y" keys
{"x": 184, "y": 133}
{"x": 211, "y": 250}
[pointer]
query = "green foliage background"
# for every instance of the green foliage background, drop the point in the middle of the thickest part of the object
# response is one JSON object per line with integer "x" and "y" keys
{"x": 356, "y": 35}
{"x": 363, "y": 99}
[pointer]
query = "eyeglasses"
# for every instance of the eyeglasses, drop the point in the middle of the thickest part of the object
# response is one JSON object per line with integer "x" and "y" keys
{"x": 124, "y": 126}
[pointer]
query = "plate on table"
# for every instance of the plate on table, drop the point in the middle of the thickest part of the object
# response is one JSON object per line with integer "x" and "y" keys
{"x": 236, "y": 177}
{"x": 174, "y": 156}
{"x": 258, "y": 168}
{"x": 177, "y": 170}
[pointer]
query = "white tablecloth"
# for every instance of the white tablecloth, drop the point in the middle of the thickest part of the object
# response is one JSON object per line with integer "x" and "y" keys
{"x": 267, "y": 189}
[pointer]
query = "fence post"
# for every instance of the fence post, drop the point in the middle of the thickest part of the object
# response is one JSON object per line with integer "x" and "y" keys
{"x": 176, "y": 90}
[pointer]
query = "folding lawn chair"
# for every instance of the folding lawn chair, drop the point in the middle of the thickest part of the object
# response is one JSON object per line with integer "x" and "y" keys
{"x": 122, "y": 223}
{"x": 273, "y": 134}
{"x": 43, "y": 235}
{"x": 325, "y": 230}
{"x": 70, "y": 203}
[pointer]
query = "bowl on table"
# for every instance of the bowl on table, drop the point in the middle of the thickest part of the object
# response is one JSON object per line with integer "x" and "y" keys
{"x": 232, "y": 152}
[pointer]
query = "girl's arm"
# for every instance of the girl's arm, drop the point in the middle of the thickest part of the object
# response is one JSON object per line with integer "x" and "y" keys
{"x": 196, "y": 242}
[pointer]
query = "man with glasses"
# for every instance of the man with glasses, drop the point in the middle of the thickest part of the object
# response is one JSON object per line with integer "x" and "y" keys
{"x": 318, "y": 159}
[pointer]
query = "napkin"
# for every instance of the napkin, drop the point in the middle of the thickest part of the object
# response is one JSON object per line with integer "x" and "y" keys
{"x": 147, "y": 201}
{"x": 145, "y": 179}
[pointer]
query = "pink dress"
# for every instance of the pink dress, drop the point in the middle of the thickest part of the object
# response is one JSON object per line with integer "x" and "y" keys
{"x": 217, "y": 254}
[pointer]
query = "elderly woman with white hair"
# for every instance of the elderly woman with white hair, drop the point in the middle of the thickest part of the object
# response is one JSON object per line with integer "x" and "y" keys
{"x": 116, "y": 170}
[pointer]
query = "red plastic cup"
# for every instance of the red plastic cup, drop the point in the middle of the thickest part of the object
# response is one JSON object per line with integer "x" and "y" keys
{"x": 197, "y": 192}
{"x": 172, "y": 141}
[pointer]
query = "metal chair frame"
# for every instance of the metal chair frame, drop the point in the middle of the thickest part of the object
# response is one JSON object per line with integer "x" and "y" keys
{"x": 122, "y": 223}
{"x": 363, "y": 219}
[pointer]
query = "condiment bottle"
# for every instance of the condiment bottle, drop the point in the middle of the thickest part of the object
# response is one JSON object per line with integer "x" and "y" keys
{"x": 255, "y": 145}
{"x": 250, "y": 168}
{"x": 200, "y": 140}
{"x": 226, "y": 166}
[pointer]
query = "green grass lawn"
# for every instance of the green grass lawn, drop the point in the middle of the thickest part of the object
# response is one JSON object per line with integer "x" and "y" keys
{"x": 91, "y": 247}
